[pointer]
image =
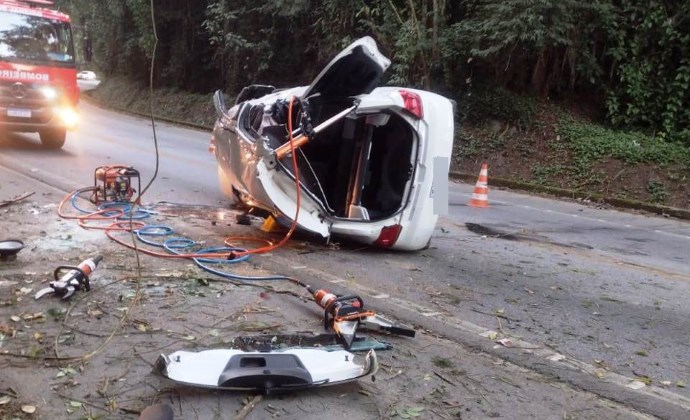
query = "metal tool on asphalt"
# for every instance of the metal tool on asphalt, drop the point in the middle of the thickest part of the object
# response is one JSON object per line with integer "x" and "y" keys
{"x": 273, "y": 371}
{"x": 345, "y": 314}
{"x": 76, "y": 278}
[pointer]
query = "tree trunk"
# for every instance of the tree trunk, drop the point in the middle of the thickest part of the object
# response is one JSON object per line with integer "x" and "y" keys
{"x": 539, "y": 74}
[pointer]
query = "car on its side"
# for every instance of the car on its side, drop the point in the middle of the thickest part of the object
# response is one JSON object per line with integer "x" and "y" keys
{"x": 368, "y": 159}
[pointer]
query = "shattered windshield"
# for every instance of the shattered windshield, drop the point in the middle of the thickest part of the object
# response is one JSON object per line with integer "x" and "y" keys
{"x": 35, "y": 39}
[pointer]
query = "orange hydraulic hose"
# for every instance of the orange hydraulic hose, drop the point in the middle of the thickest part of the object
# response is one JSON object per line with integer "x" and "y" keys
{"x": 229, "y": 241}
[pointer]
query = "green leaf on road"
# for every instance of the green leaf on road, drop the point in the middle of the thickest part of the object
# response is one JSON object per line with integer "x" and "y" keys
{"x": 68, "y": 371}
{"x": 66, "y": 337}
{"x": 57, "y": 313}
{"x": 409, "y": 412}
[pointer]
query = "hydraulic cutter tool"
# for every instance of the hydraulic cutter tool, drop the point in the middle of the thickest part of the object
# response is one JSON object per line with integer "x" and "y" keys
{"x": 76, "y": 278}
{"x": 345, "y": 314}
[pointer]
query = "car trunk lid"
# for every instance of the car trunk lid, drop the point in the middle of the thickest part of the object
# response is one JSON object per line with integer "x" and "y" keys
{"x": 354, "y": 71}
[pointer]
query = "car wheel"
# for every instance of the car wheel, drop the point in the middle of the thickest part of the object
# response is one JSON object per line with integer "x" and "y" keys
{"x": 54, "y": 138}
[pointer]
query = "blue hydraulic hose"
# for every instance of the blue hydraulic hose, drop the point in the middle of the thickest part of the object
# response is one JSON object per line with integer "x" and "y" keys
{"x": 153, "y": 230}
{"x": 124, "y": 206}
{"x": 219, "y": 260}
{"x": 175, "y": 244}
{"x": 237, "y": 276}
{"x": 73, "y": 201}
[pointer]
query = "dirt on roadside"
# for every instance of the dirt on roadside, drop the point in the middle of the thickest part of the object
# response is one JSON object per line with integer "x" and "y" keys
{"x": 92, "y": 356}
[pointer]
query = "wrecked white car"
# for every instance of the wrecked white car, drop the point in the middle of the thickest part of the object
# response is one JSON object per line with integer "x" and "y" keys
{"x": 368, "y": 159}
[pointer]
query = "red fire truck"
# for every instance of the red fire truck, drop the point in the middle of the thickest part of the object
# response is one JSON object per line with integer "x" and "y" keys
{"x": 38, "y": 76}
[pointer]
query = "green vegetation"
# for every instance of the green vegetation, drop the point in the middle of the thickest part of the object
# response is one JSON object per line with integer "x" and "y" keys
{"x": 589, "y": 145}
{"x": 497, "y": 104}
{"x": 591, "y": 142}
{"x": 630, "y": 59}
{"x": 657, "y": 192}
{"x": 170, "y": 103}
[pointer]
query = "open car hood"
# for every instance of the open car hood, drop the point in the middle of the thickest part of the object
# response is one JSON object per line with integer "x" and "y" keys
{"x": 356, "y": 70}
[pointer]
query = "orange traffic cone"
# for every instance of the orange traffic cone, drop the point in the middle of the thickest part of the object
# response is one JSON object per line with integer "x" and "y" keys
{"x": 480, "y": 196}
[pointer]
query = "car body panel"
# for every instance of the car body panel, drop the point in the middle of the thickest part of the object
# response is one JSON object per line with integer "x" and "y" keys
{"x": 249, "y": 168}
{"x": 282, "y": 193}
{"x": 355, "y": 70}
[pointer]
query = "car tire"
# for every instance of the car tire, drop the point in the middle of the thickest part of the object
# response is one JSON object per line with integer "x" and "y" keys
{"x": 53, "y": 138}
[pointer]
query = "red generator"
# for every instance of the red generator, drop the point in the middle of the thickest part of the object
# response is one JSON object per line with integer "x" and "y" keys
{"x": 115, "y": 184}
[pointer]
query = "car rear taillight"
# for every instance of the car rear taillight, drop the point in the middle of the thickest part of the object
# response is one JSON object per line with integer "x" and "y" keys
{"x": 212, "y": 145}
{"x": 388, "y": 236}
{"x": 413, "y": 103}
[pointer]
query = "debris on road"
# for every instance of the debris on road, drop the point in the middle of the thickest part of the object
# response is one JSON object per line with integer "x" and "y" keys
{"x": 286, "y": 370}
{"x": 17, "y": 199}
{"x": 93, "y": 357}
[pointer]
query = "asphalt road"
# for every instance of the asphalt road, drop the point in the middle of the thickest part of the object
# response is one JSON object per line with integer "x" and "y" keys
{"x": 186, "y": 171}
{"x": 606, "y": 289}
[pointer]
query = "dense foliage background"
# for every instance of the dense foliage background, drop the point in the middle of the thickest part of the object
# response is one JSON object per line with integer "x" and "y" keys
{"x": 628, "y": 60}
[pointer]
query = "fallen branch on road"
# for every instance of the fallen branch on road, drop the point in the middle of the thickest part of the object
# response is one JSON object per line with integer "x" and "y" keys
{"x": 16, "y": 199}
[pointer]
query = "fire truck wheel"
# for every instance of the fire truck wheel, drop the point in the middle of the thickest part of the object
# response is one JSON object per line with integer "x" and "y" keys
{"x": 53, "y": 139}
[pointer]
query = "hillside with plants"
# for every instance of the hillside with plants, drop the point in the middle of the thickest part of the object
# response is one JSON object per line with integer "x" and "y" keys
{"x": 588, "y": 96}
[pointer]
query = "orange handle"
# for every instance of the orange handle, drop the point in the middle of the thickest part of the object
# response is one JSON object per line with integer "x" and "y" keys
{"x": 285, "y": 148}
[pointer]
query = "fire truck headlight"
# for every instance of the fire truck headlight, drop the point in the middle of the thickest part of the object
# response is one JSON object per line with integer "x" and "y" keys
{"x": 49, "y": 93}
{"x": 68, "y": 115}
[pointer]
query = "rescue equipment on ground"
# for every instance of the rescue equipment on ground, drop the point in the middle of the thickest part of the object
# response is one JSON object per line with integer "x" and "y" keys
{"x": 303, "y": 340}
{"x": 480, "y": 196}
{"x": 77, "y": 278}
{"x": 9, "y": 248}
{"x": 345, "y": 314}
{"x": 115, "y": 184}
{"x": 284, "y": 370}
